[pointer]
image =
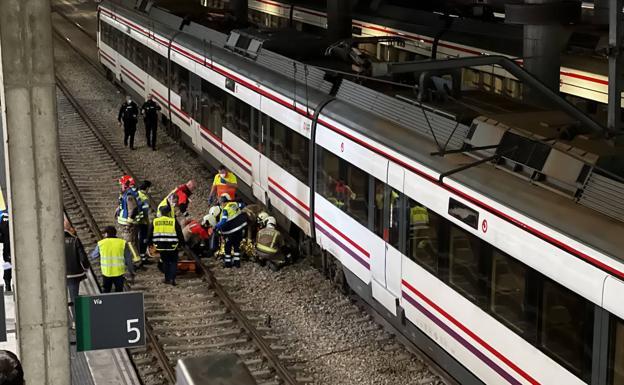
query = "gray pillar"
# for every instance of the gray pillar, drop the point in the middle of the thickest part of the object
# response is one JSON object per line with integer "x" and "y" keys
{"x": 29, "y": 100}
{"x": 239, "y": 10}
{"x": 338, "y": 20}
{"x": 614, "y": 109}
{"x": 542, "y": 51}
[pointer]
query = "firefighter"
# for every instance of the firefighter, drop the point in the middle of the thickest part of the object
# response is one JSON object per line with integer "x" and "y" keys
{"x": 232, "y": 226}
{"x": 128, "y": 117}
{"x": 149, "y": 110}
{"x": 270, "y": 246}
{"x": 166, "y": 235}
{"x": 143, "y": 219}
{"x": 128, "y": 212}
{"x": 253, "y": 212}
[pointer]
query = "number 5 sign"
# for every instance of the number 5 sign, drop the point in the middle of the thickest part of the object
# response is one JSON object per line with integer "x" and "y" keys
{"x": 110, "y": 321}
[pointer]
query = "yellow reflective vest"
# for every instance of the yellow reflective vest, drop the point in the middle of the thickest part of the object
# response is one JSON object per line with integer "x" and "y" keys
{"x": 419, "y": 216}
{"x": 165, "y": 236}
{"x": 166, "y": 202}
{"x": 112, "y": 258}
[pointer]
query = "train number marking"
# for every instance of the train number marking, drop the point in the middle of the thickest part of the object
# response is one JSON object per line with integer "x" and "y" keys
{"x": 342, "y": 147}
{"x": 484, "y": 226}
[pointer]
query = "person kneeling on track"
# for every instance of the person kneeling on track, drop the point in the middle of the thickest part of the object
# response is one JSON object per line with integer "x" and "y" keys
{"x": 166, "y": 235}
{"x": 115, "y": 260}
{"x": 197, "y": 235}
{"x": 270, "y": 246}
{"x": 232, "y": 227}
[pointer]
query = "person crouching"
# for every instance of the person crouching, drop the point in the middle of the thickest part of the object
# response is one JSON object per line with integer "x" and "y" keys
{"x": 232, "y": 226}
{"x": 166, "y": 236}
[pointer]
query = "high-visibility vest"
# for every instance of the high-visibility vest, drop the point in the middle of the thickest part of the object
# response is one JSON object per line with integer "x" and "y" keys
{"x": 165, "y": 202}
{"x": 419, "y": 215}
{"x": 222, "y": 188}
{"x": 143, "y": 207}
{"x": 267, "y": 240}
{"x": 112, "y": 258}
{"x": 165, "y": 236}
{"x": 235, "y": 221}
{"x": 124, "y": 216}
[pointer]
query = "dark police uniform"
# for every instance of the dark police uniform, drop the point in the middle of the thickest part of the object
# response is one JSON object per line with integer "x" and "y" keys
{"x": 128, "y": 114}
{"x": 150, "y": 112}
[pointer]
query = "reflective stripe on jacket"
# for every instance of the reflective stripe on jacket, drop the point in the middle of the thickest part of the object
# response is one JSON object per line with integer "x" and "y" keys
{"x": 112, "y": 257}
{"x": 268, "y": 240}
{"x": 165, "y": 236}
{"x": 128, "y": 205}
{"x": 419, "y": 216}
{"x": 143, "y": 202}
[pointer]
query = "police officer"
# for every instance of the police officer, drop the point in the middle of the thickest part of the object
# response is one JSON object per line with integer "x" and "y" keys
{"x": 149, "y": 110}
{"x": 166, "y": 235}
{"x": 115, "y": 260}
{"x": 128, "y": 116}
{"x": 270, "y": 244}
{"x": 143, "y": 219}
{"x": 232, "y": 226}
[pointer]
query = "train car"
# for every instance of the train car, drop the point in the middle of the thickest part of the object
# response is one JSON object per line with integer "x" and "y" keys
{"x": 502, "y": 274}
{"x": 586, "y": 78}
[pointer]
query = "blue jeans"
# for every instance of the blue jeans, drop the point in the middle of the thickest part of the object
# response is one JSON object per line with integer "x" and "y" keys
{"x": 170, "y": 264}
{"x": 73, "y": 287}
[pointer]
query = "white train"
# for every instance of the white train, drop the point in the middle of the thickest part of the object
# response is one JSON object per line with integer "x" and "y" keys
{"x": 498, "y": 280}
{"x": 584, "y": 78}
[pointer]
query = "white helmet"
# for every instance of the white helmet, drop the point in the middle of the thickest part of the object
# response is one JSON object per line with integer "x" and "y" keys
{"x": 270, "y": 221}
{"x": 262, "y": 217}
{"x": 213, "y": 215}
{"x": 208, "y": 219}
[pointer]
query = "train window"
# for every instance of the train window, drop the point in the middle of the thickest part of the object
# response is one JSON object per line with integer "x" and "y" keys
{"x": 463, "y": 213}
{"x": 179, "y": 84}
{"x": 212, "y": 107}
{"x": 616, "y": 352}
{"x": 566, "y": 328}
{"x": 158, "y": 67}
{"x": 509, "y": 293}
{"x": 238, "y": 118}
{"x": 467, "y": 265}
{"x": 140, "y": 56}
{"x": 344, "y": 185}
{"x": 422, "y": 233}
{"x": 289, "y": 150}
{"x": 395, "y": 205}
{"x": 380, "y": 192}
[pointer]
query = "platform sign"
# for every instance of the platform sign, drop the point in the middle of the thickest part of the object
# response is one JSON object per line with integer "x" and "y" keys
{"x": 108, "y": 321}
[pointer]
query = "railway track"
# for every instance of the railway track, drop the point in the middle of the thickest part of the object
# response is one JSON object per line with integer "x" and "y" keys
{"x": 193, "y": 318}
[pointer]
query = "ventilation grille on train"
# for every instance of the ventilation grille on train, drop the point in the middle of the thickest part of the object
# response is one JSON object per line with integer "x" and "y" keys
{"x": 294, "y": 69}
{"x": 604, "y": 194}
{"x": 423, "y": 121}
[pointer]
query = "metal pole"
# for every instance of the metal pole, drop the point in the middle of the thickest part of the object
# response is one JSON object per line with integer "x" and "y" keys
{"x": 614, "y": 120}
{"x": 28, "y": 96}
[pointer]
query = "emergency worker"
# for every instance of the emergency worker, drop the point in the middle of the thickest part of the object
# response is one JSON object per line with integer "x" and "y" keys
{"x": 232, "y": 226}
{"x": 224, "y": 182}
{"x": 143, "y": 219}
{"x": 128, "y": 213}
{"x": 149, "y": 110}
{"x": 197, "y": 235}
{"x": 128, "y": 117}
{"x": 115, "y": 260}
{"x": 253, "y": 212}
{"x": 270, "y": 244}
{"x": 166, "y": 235}
{"x": 180, "y": 198}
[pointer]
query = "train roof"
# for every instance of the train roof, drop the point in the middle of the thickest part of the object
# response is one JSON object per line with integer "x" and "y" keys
{"x": 396, "y": 124}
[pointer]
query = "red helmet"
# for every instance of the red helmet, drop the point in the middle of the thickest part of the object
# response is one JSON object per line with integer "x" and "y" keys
{"x": 126, "y": 181}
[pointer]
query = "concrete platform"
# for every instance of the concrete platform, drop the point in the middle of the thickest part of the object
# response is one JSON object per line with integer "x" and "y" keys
{"x": 103, "y": 367}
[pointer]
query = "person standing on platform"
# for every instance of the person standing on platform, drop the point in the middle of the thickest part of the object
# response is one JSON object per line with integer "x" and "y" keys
{"x": 5, "y": 238}
{"x": 166, "y": 235}
{"x": 224, "y": 182}
{"x": 149, "y": 110}
{"x": 115, "y": 260}
{"x": 11, "y": 372}
{"x": 128, "y": 117}
{"x": 76, "y": 261}
{"x": 128, "y": 212}
{"x": 143, "y": 219}
{"x": 232, "y": 226}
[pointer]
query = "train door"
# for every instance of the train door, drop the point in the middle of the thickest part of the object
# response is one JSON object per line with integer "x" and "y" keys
{"x": 261, "y": 164}
{"x": 396, "y": 216}
{"x": 195, "y": 94}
